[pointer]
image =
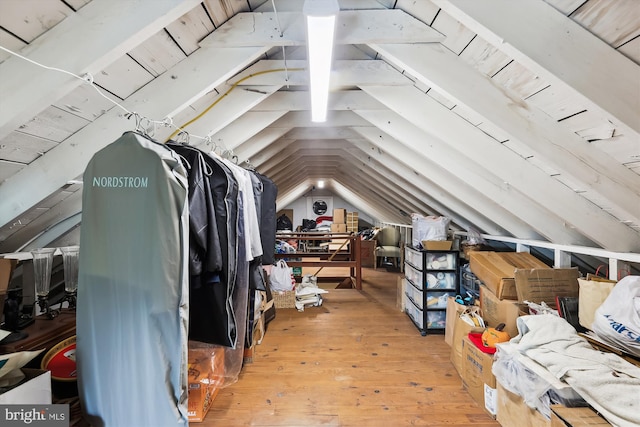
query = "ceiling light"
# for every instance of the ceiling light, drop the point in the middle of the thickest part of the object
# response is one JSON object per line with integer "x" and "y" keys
{"x": 321, "y": 20}
{"x": 320, "y": 184}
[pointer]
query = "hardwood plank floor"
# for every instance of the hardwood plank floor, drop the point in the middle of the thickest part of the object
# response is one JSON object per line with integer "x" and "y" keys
{"x": 355, "y": 361}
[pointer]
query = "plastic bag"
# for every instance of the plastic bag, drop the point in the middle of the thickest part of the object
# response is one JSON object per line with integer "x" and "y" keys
{"x": 282, "y": 278}
{"x": 474, "y": 237}
{"x": 428, "y": 228}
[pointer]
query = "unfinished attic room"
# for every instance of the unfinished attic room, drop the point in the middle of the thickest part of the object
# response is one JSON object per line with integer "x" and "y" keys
{"x": 319, "y": 213}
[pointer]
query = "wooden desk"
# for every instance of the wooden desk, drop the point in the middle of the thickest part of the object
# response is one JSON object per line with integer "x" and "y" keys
{"x": 44, "y": 333}
{"x": 349, "y": 257}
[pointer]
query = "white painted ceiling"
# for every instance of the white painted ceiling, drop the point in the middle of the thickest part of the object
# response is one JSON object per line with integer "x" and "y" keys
{"x": 517, "y": 118}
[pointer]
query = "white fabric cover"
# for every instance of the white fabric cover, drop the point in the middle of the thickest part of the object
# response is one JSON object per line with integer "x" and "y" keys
{"x": 606, "y": 381}
{"x": 617, "y": 320}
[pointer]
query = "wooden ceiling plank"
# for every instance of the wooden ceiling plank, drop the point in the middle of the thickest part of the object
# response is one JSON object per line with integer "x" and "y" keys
{"x": 631, "y": 50}
{"x": 230, "y": 106}
{"x": 158, "y": 53}
{"x": 559, "y": 50}
{"x": 383, "y": 177}
{"x": 442, "y": 199}
{"x": 365, "y": 204}
{"x": 346, "y": 72}
{"x": 396, "y": 202}
{"x": 484, "y": 57}
{"x": 164, "y": 96}
{"x": 446, "y": 186}
{"x": 78, "y": 45}
{"x": 320, "y": 133}
{"x": 343, "y": 118}
{"x": 288, "y": 195}
{"x": 23, "y": 148}
{"x": 190, "y": 29}
{"x": 54, "y": 124}
{"x": 123, "y": 77}
{"x": 28, "y": 19}
{"x": 546, "y": 138}
{"x": 457, "y": 35}
{"x": 352, "y": 27}
{"x": 261, "y": 156}
{"x": 243, "y": 128}
{"x": 528, "y": 188}
{"x": 258, "y": 142}
{"x": 84, "y": 101}
{"x": 495, "y": 196}
{"x": 616, "y": 23}
{"x": 299, "y": 101}
{"x": 297, "y": 5}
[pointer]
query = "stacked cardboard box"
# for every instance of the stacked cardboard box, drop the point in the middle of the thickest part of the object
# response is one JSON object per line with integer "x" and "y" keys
{"x": 352, "y": 222}
{"x": 497, "y": 270}
{"x": 510, "y": 278}
{"x": 339, "y": 216}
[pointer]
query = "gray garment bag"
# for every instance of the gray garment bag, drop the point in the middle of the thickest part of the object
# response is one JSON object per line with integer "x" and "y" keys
{"x": 132, "y": 314}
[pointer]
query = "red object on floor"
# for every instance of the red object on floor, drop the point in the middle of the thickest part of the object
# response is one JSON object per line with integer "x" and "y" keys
{"x": 476, "y": 339}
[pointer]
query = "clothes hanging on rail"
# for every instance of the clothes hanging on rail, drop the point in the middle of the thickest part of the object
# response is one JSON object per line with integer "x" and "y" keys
{"x": 268, "y": 219}
{"x": 132, "y": 311}
{"x": 212, "y": 207}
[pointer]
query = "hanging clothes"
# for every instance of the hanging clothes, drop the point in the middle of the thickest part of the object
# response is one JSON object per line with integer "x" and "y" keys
{"x": 132, "y": 311}
{"x": 268, "y": 219}
{"x": 205, "y": 253}
{"x": 212, "y": 318}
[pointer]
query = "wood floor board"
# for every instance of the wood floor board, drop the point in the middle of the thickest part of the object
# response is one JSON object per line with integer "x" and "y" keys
{"x": 357, "y": 360}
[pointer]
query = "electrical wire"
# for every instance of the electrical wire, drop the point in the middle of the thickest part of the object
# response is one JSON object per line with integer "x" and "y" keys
{"x": 141, "y": 121}
{"x": 233, "y": 86}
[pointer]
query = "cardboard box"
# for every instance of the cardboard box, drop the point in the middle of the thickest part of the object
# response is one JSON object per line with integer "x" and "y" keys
{"x": 512, "y": 411}
{"x": 338, "y": 228}
{"x": 476, "y": 373}
{"x": 201, "y": 396}
{"x": 537, "y": 285}
{"x": 206, "y": 377}
{"x": 437, "y": 245}
{"x": 352, "y": 222}
{"x": 339, "y": 216}
{"x": 497, "y": 270}
{"x": 496, "y": 311}
{"x": 35, "y": 390}
{"x": 561, "y": 416}
{"x": 453, "y": 312}
{"x": 460, "y": 331}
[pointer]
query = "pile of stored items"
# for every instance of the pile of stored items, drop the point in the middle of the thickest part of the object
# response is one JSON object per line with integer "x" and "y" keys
{"x": 544, "y": 346}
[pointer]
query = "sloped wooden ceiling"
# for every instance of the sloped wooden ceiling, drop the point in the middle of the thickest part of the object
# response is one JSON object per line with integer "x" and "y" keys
{"x": 516, "y": 118}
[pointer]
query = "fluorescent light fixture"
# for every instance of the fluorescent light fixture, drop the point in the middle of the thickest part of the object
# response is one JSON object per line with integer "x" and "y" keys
{"x": 321, "y": 21}
{"x": 321, "y": 184}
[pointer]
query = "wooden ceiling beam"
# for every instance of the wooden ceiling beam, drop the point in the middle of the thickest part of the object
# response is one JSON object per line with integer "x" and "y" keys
{"x": 352, "y": 27}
